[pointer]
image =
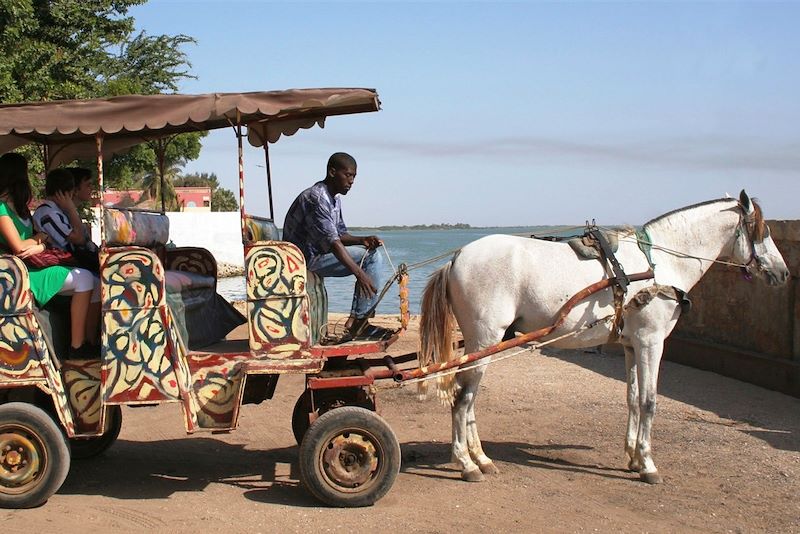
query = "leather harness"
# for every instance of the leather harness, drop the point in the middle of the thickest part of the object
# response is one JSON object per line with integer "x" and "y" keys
{"x": 619, "y": 280}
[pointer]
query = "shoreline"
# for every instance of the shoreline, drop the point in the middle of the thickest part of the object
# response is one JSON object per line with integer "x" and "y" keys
{"x": 229, "y": 270}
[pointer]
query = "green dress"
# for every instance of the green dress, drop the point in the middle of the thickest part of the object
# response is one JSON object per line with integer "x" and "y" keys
{"x": 44, "y": 282}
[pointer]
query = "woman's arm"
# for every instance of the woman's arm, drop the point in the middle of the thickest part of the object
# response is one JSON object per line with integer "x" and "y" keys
{"x": 18, "y": 245}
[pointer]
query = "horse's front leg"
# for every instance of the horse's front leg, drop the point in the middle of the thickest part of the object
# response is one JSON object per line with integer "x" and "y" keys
{"x": 647, "y": 367}
{"x": 646, "y": 327}
{"x": 473, "y": 440}
{"x": 633, "y": 408}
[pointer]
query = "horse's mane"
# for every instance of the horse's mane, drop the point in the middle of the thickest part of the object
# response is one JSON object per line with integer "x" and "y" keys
{"x": 759, "y": 228}
{"x": 760, "y": 225}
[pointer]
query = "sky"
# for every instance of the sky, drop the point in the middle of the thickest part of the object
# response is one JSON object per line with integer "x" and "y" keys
{"x": 511, "y": 113}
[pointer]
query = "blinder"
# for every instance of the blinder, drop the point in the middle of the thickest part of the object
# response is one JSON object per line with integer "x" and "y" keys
{"x": 747, "y": 227}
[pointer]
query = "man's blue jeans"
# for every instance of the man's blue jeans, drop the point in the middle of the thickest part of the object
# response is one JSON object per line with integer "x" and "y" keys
{"x": 326, "y": 265}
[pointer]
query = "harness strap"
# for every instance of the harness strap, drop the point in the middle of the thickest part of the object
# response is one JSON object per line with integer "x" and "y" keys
{"x": 645, "y": 245}
{"x": 620, "y": 278}
{"x": 619, "y": 282}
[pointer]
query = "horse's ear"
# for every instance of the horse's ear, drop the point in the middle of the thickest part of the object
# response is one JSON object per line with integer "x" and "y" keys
{"x": 744, "y": 200}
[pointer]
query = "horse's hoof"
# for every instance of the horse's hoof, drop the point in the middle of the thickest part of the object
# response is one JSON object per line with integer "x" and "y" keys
{"x": 651, "y": 478}
{"x": 474, "y": 475}
{"x": 634, "y": 466}
{"x": 489, "y": 469}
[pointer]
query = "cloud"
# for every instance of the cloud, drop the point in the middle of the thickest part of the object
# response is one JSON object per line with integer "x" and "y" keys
{"x": 711, "y": 153}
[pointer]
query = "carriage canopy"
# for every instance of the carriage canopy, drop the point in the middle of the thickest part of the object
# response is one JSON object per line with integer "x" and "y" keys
{"x": 68, "y": 128}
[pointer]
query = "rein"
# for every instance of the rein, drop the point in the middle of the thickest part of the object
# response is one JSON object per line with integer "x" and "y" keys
{"x": 643, "y": 238}
{"x": 683, "y": 254}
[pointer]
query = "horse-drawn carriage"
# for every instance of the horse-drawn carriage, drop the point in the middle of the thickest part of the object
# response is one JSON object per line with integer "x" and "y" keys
{"x": 164, "y": 333}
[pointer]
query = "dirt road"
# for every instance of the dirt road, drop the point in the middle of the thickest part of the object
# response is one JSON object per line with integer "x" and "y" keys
{"x": 553, "y": 422}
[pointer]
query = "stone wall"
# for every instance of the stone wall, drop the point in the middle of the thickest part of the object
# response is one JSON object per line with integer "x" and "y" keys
{"x": 746, "y": 330}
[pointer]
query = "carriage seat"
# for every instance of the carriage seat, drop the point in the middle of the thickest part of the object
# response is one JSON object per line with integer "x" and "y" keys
{"x": 189, "y": 276}
{"x": 151, "y": 230}
{"x": 178, "y": 281}
{"x": 260, "y": 229}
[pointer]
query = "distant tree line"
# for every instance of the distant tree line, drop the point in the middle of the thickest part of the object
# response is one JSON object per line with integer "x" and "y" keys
{"x": 441, "y": 226}
{"x": 68, "y": 49}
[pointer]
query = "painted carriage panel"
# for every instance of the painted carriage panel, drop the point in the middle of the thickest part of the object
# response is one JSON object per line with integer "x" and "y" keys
{"x": 82, "y": 381}
{"x": 25, "y": 358}
{"x": 132, "y": 278}
{"x": 217, "y": 385}
{"x": 143, "y": 358}
{"x": 276, "y": 299}
{"x": 18, "y": 357}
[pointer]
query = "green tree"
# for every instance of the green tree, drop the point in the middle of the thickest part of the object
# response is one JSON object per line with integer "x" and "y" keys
{"x": 62, "y": 49}
{"x": 56, "y": 49}
{"x": 204, "y": 179}
{"x": 223, "y": 200}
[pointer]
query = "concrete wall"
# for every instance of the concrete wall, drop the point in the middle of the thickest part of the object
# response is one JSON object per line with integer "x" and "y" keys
{"x": 217, "y": 231}
{"x": 746, "y": 330}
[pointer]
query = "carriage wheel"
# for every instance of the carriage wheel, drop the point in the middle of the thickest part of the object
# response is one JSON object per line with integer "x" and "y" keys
{"x": 349, "y": 457}
{"x": 83, "y": 448}
{"x": 325, "y": 401}
{"x": 34, "y": 456}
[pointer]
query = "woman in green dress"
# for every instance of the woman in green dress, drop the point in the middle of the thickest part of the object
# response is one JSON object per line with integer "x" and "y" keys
{"x": 17, "y": 236}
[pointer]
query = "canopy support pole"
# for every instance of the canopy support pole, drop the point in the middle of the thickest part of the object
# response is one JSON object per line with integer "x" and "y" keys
{"x": 269, "y": 180}
{"x": 46, "y": 157}
{"x": 98, "y": 140}
{"x": 241, "y": 177}
{"x": 161, "y": 149}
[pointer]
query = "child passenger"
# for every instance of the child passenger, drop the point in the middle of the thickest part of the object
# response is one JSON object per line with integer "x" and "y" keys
{"x": 58, "y": 216}
{"x": 17, "y": 234}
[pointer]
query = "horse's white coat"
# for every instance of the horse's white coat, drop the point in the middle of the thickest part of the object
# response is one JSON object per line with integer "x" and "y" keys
{"x": 501, "y": 282}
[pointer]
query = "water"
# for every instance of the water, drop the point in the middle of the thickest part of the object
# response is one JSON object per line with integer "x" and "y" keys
{"x": 404, "y": 246}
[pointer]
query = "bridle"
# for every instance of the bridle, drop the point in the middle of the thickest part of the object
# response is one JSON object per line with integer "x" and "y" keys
{"x": 747, "y": 227}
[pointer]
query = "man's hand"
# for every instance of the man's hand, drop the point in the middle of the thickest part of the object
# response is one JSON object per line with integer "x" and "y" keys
{"x": 364, "y": 285}
{"x": 64, "y": 201}
{"x": 372, "y": 242}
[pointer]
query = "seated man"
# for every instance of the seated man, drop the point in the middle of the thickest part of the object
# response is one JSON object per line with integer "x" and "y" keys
{"x": 314, "y": 223}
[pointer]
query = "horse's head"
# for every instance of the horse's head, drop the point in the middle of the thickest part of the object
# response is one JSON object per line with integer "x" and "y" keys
{"x": 754, "y": 247}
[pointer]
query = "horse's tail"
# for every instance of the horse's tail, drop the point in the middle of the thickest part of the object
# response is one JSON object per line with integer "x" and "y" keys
{"x": 436, "y": 333}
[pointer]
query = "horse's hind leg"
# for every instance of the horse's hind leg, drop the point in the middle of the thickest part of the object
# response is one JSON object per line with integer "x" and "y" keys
{"x": 464, "y": 423}
{"x": 473, "y": 441}
{"x": 633, "y": 408}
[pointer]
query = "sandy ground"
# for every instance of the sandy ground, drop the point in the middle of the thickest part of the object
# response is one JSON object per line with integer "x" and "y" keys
{"x": 553, "y": 422}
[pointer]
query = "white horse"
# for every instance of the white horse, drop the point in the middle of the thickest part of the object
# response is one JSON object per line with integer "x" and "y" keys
{"x": 502, "y": 283}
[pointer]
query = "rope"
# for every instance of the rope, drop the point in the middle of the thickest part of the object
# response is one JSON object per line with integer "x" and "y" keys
{"x": 530, "y": 348}
{"x": 682, "y": 254}
{"x": 432, "y": 260}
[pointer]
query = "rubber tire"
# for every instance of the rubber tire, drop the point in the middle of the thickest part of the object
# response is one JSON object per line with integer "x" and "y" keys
{"x": 83, "y": 448}
{"x": 337, "y": 422}
{"x": 326, "y": 399}
{"x": 52, "y": 448}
